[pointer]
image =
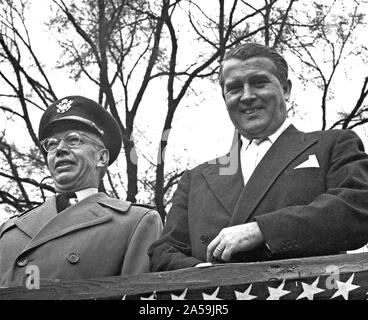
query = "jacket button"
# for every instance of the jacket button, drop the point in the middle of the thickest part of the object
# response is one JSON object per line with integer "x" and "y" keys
{"x": 204, "y": 238}
{"x": 73, "y": 258}
{"x": 21, "y": 262}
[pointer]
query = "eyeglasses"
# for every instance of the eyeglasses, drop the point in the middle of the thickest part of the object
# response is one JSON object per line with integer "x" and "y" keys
{"x": 71, "y": 139}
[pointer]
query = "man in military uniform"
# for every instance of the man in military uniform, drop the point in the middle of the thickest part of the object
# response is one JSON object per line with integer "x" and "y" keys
{"x": 80, "y": 233}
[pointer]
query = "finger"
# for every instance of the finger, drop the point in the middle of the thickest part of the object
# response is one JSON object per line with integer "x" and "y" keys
{"x": 211, "y": 247}
{"x": 217, "y": 253}
{"x": 226, "y": 254}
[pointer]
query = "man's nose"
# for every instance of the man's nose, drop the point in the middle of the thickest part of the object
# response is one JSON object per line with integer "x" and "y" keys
{"x": 247, "y": 94}
{"x": 61, "y": 148}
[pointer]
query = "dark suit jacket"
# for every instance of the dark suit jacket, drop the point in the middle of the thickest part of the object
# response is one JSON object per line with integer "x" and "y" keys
{"x": 98, "y": 237}
{"x": 301, "y": 212}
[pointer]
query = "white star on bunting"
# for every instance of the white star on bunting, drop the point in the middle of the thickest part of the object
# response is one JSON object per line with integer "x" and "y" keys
{"x": 151, "y": 297}
{"x": 345, "y": 288}
{"x": 309, "y": 290}
{"x": 212, "y": 296}
{"x": 277, "y": 293}
{"x": 245, "y": 295}
{"x": 181, "y": 297}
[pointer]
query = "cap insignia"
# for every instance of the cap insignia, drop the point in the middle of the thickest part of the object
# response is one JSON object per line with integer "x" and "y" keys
{"x": 64, "y": 105}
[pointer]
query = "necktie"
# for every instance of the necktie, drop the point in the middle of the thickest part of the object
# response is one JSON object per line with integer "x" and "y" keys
{"x": 64, "y": 200}
{"x": 251, "y": 155}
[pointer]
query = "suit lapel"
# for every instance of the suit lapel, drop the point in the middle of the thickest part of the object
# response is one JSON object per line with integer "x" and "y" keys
{"x": 226, "y": 188}
{"x": 225, "y": 178}
{"x": 84, "y": 214}
{"x": 286, "y": 148}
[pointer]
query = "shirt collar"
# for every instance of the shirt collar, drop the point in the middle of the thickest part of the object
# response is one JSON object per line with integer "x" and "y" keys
{"x": 85, "y": 193}
{"x": 272, "y": 137}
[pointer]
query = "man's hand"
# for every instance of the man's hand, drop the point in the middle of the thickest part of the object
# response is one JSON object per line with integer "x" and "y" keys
{"x": 234, "y": 239}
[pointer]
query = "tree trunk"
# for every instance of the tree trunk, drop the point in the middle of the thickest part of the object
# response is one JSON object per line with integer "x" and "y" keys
{"x": 131, "y": 170}
{"x": 160, "y": 181}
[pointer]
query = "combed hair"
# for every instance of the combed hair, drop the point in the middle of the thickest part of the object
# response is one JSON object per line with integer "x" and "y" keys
{"x": 250, "y": 50}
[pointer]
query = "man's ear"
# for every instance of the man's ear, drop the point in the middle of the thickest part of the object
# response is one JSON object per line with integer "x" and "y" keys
{"x": 287, "y": 90}
{"x": 104, "y": 158}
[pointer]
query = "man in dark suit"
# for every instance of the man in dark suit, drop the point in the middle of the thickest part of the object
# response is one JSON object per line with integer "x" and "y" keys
{"x": 279, "y": 193}
{"x": 81, "y": 233}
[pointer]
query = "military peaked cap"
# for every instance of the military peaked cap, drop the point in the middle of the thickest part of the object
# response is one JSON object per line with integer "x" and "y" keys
{"x": 77, "y": 112}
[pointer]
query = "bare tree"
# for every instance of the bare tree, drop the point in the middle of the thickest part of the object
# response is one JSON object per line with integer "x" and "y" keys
{"x": 358, "y": 114}
{"x": 120, "y": 48}
{"x": 19, "y": 79}
{"x": 334, "y": 34}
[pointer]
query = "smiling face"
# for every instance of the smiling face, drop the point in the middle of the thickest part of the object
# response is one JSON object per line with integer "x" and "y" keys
{"x": 254, "y": 96}
{"x": 76, "y": 168}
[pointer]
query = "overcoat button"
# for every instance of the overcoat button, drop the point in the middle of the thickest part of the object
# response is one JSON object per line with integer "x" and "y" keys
{"x": 21, "y": 262}
{"x": 73, "y": 258}
{"x": 204, "y": 238}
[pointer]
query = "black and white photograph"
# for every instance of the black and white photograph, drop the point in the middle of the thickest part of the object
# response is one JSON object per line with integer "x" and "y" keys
{"x": 183, "y": 150}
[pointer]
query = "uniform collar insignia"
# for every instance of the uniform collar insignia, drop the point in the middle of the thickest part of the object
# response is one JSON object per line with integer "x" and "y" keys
{"x": 64, "y": 105}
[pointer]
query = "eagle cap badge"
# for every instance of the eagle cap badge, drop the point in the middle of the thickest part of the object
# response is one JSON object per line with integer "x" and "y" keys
{"x": 64, "y": 105}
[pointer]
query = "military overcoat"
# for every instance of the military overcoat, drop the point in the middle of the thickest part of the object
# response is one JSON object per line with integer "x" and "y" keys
{"x": 98, "y": 237}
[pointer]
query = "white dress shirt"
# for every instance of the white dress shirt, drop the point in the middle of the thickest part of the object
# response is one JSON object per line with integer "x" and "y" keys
{"x": 82, "y": 194}
{"x": 85, "y": 193}
{"x": 253, "y": 151}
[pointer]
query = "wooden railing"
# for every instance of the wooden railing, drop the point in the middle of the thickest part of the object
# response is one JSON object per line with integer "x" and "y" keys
{"x": 328, "y": 277}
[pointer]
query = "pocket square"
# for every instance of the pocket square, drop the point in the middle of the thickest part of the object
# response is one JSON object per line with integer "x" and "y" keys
{"x": 312, "y": 162}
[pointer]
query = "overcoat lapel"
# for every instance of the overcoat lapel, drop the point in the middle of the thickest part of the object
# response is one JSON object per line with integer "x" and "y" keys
{"x": 34, "y": 220}
{"x": 225, "y": 178}
{"x": 84, "y": 214}
{"x": 6, "y": 225}
{"x": 286, "y": 148}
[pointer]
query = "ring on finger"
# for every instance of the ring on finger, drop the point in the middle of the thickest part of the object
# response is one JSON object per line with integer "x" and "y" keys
{"x": 219, "y": 249}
